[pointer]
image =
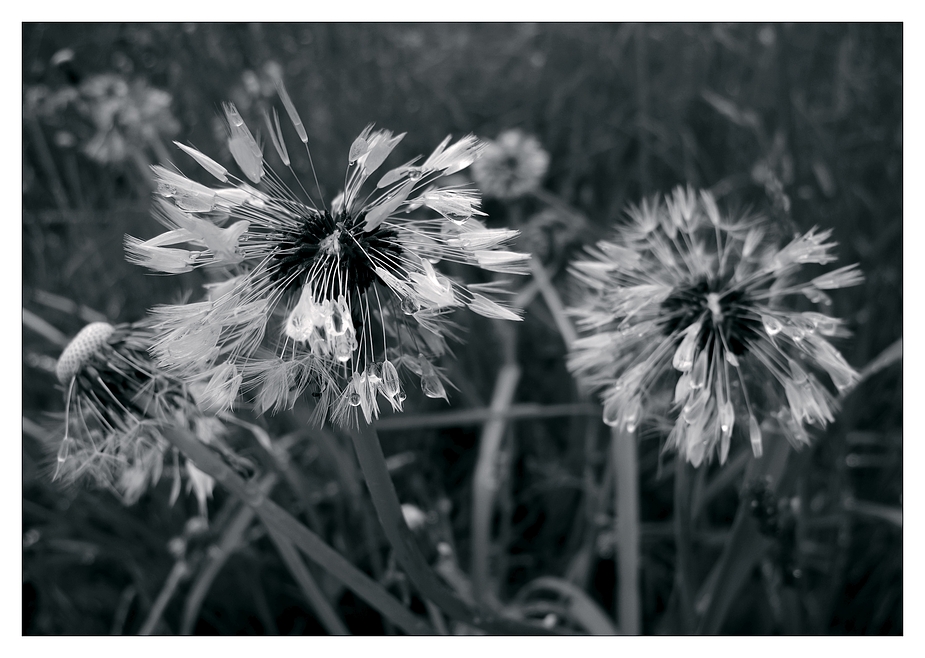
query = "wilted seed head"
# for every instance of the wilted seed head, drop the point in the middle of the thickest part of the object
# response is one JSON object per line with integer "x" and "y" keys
{"x": 117, "y": 402}
{"x": 84, "y": 345}
{"x": 333, "y": 299}
{"x": 684, "y": 312}
{"x": 513, "y": 165}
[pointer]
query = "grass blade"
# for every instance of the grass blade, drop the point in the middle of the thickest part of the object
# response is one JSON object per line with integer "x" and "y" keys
{"x": 744, "y": 548}
{"x": 303, "y": 576}
{"x": 307, "y": 541}
{"x": 579, "y": 607}
{"x": 385, "y": 500}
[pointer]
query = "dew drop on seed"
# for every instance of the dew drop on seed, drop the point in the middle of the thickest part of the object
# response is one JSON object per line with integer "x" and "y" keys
{"x": 771, "y": 324}
{"x": 432, "y": 386}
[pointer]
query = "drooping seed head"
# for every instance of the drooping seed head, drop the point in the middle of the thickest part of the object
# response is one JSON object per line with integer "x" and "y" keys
{"x": 85, "y": 344}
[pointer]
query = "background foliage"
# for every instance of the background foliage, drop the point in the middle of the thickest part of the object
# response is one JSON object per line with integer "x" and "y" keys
{"x": 753, "y": 112}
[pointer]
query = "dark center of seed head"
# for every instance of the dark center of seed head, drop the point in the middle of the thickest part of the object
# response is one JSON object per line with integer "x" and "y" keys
{"x": 719, "y": 308}
{"x": 340, "y": 240}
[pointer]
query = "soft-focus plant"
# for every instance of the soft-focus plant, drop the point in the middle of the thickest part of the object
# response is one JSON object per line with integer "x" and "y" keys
{"x": 513, "y": 165}
{"x": 111, "y": 118}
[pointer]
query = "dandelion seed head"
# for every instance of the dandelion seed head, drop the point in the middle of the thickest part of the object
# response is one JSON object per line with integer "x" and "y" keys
{"x": 337, "y": 299}
{"x": 689, "y": 301}
{"x": 513, "y": 165}
{"x": 117, "y": 402}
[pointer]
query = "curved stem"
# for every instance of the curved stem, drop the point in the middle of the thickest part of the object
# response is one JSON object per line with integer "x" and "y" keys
{"x": 385, "y": 500}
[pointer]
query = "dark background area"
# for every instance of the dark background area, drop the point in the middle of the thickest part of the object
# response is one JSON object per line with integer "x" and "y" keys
{"x": 624, "y": 111}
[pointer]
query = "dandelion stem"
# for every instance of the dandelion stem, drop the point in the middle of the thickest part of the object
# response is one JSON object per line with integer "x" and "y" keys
{"x": 626, "y": 530}
{"x": 385, "y": 500}
{"x": 682, "y": 533}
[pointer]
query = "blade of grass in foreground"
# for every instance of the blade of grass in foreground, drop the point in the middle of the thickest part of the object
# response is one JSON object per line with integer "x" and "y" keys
{"x": 307, "y": 584}
{"x": 385, "y": 500}
{"x": 744, "y": 548}
{"x": 308, "y": 542}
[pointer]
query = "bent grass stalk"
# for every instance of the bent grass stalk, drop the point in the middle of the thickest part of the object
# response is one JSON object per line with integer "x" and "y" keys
{"x": 275, "y": 517}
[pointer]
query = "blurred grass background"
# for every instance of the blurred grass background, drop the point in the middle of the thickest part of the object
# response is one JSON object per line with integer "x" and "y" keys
{"x": 753, "y": 112}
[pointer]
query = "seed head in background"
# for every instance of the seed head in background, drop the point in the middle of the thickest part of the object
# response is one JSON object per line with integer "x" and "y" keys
{"x": 686, "y": 300}
{"x": 339, "y": 299}
{"x": 117, "y": 403}
{"x": 513, "y": 165}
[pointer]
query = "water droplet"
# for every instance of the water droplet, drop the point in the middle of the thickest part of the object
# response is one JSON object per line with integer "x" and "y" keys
{"x": 726, "y": 418}
{"x": 771, "y": 324}
{"x": 699, "y": 374}
{"x": 354, "y": 399}
{"x": 754, "y": 433}
{"x": 63, "y": 450}
{"x": 400, "y": 396}
{"x": 391, "y": 385}
{"x": 612, "y": 412}
{"x": 432, "y": 386}
{"x": 683, "y": 387}
{"x": 683, "y": 358}
{"x": 342, "y": 349}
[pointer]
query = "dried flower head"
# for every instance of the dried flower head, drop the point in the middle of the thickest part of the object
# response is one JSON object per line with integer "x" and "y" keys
{"x": 686, "y": 300}
{"x": 346, "y": 296}
{"x": 513, "y": 165}
{"x": 117, "y": 403}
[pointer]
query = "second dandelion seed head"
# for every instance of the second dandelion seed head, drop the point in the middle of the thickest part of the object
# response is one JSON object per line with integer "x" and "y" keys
{"x": 684, "y": 315}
